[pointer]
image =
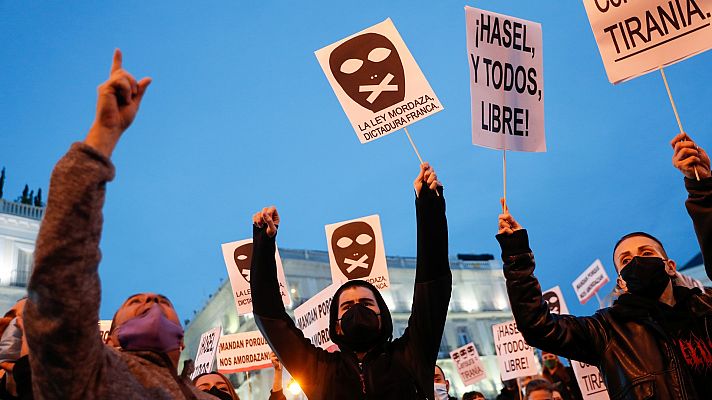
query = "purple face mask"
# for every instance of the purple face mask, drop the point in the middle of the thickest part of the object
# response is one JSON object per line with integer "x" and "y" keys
{"x": 150, "y": 331}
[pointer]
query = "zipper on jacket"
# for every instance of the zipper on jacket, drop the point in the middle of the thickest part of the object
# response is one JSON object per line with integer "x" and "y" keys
{"x": 361, "y": 377}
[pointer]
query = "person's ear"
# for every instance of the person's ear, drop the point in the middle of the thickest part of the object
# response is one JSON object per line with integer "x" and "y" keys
{"x": 670, "y": 267}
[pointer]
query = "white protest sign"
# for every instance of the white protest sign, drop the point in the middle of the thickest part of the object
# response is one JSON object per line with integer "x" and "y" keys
{"x": 590, "y": 281}
{"x": 312, "y": 318}
{"x": 244, "y": 351}
{"x": 468, "y": 364}
{"x": 506, "y": 81}
{"x": 238, "y": 258}
{"x": 205, "y": 359}
{"x": 356, "y": 251}
{"x": 555, "y": 299}
{"x": 377, "y": 81}
{"x": 590, "y": 381}
{"x": 104, "y": 328}
{"x": 515, "y": 358}
{"x": 636, "y": 37}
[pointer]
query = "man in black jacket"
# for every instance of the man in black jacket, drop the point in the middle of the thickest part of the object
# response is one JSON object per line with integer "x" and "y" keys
{"x": 654, "y": 342}
{"x": 369, "y": 364}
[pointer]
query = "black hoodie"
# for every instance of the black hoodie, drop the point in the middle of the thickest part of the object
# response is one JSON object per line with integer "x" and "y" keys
{"x": 392, "y": 369}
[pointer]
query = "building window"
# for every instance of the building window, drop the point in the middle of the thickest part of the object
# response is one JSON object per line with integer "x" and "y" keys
{"x": 463, "y": 336}
{"x": 23, "y": 270}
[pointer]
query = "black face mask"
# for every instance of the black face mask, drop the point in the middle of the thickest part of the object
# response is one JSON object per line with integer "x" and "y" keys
{"x": 219, "y": 393}
{"x": 646, "y": 277}
{"x": 359, "y": 325}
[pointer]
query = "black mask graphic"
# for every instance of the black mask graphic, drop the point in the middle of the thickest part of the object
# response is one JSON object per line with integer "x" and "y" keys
{"x": 360, "y": 327}
{"x": 646, "y": 276}
{"x": 369, "y": 70}
{"x": 553, "y": 301}
{"x": 243, "y": 259}
{"x": 219, "y": 393}
{"x": 354, "y": 247}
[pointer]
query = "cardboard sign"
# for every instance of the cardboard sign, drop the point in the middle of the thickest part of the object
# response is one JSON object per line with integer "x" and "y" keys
{"x": 636, "y": 37}
{"x": 590, "y": 281}
{"x": 468, "y": 364}
{"x": 555, "y": 299}
{"x": 356, "y": 251}
{"x": 205, "y": 359}
{"x": 515, "y": 358}
{"x": 238, "y": 258}
{"x": 506, "y": 81}
{"x": 312, "y": 318}
{"x": 244, "y": 351}
{"x": 590, "y": 381}
{"x": 377, "y": 81}
{"x": 104, "y": 328}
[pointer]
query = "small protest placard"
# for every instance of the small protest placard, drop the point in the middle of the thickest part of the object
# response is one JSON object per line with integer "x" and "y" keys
{"x": 515, "y": 357}
{"x": 377, "y": 81}
{"x": 244, "y": 351}
{"x": 590, "y": 281}
{"x": 312, "y": 318}
{"x": 506, "y": 81}
{"x": 238, "y": 258}
{"x": 468, "y": 363}
{"x": 555, "y": 299}
{"x": 636, "y": 37}
{"x": 104, "y": 328}
{"x": 208, "y": 347}
{"x": 356, "y": 251}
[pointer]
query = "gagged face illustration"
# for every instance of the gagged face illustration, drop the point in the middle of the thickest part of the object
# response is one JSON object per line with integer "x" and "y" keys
{"x": 553, "y": 300}
{"x": 369, "y": 70}
{"x": 354, "y": 247}
{"x": 243, "y": 259}
{"x": 471, "y": 350}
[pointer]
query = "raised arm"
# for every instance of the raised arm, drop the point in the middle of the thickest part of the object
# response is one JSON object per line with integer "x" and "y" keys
{"x": 62, "y": 311}
{"x": 578, "y": 338}
{"x": 301, "y": 358}
{"x": 688, "y": 157}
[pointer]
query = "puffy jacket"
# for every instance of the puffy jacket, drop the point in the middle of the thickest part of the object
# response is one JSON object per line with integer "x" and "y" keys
{"x": 633, "y": 352}
{"x": 394, "y": 369}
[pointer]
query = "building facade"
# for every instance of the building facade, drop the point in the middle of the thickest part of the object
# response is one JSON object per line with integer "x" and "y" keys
{"x": 479, "y": 300}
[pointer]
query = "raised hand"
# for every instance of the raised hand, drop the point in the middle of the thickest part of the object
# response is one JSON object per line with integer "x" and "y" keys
{"x": 117, "y": 104}
{"x": 688, "y": 156}
{"x": 507, "y": 223}
{"x": 428, "y": 176}
{"x": 268, "y": 216}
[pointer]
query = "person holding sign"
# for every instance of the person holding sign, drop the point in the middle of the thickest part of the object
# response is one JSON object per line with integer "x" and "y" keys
{"x": 68, "y": 359}
{"x": 654, "y": 341}
{"x": 217, "y": 385}
{"x": 370, "y": 364}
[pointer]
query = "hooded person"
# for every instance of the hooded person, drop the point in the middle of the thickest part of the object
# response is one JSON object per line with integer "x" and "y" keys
{"x": 68, "y": 358}
{"x": 370, "y": 364}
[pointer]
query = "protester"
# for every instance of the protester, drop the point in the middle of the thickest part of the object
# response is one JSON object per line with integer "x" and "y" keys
{"x": 474, "y": 395}
{"x": 510, "y": 390}
{"x": 654, "y": 341}
{"x": 369, "y": 364}
{"x": 539, "y": 389}
{"x": 15, "y": 376}
{"x": 441, "y": 385}
{"x": 217, "y": 385}
{"x": 277, "y": 392}
{"x": 67, "y": 356}
{"x": 561, "y": 376}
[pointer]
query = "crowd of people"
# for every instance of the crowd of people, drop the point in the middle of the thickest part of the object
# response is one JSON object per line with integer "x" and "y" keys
{"x": 653, "y": 342}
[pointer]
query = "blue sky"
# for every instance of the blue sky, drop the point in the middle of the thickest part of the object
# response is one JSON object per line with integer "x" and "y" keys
{"x": 240, "y": 116}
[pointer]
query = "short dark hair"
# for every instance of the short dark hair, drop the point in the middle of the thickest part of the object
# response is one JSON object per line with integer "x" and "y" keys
{"x": 472, "y": 395}
{"x": 634, "y": 234}
{"x": 441, "y": 370}
{"x": 538, "y": 384}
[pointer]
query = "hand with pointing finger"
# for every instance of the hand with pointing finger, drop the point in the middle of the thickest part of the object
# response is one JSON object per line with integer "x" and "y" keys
{"x": 118, "y": 101}
{"x": 269, "y": 217}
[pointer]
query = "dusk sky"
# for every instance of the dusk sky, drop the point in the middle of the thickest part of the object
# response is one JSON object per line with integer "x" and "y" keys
{"x": 240, "y": 116}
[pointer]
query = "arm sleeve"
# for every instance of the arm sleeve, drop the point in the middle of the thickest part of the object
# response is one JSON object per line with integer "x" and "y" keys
{"x": 699, "y": 206}
{"x": 62, "y": 311}
{"x": 577, "y": 338}
{"x": 304, "y": 361}
{"x": 278, "y": 395}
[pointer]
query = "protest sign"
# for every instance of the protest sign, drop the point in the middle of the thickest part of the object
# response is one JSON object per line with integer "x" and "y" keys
{"x": 104, "y": 328}
{"x": 238, "y": 258}
{"x": 244, "y": 351}
{"x": 377, "y": 81}
{"x": 636, "y": 37}
{"x": 205, "y": 359}
{"x": 515, "y": 358}
{"x": 468, "y": 363}
{"x": 590, "y": 281}
{"x": 312, "y": 318}
{"x": 506, "y": 81}
{"x": 356, "y": 251}
{"x": 555, "y": 299}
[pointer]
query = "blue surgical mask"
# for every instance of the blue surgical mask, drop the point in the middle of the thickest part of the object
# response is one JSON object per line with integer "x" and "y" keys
{"x": 151, "y": 331}
{"x": 440, "y": 391}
